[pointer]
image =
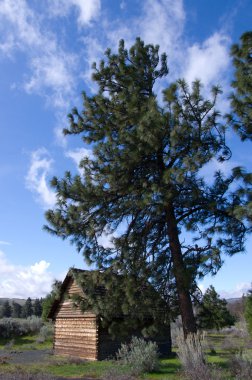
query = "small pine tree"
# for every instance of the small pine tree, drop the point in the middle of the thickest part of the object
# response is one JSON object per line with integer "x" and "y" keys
{"x": 16, "y": 310}
{"x": 6, "y": 310}
{"x": 37, "y": 307}
{"x": 248, "y": 311}
{"x": 27, "y": 309}
{"x": 213, "y": 312}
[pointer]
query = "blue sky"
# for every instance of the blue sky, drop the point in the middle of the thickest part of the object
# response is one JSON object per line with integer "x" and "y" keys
{"x": 46, "y": 51}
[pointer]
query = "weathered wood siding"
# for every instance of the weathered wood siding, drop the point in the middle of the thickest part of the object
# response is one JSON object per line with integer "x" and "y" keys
{"x": 75, "y": 332}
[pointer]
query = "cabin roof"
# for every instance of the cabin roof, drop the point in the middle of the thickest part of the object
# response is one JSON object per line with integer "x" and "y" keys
{"x": 68, "y": 278}
{"x": 71, "y": 275}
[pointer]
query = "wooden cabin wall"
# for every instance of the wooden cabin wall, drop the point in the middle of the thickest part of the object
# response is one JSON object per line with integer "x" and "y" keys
{"x": 79, "y": 335}
{"x": 75, "y": 332}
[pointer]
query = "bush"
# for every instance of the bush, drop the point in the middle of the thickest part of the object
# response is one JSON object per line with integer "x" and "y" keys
{"x": 191, "y": 355}
{"x": 241, "y": 367}
{"x": 140, "y": 355}
{"x": 45, "y": 333}
{"x": 10, "y": 327}
{"x": 32, "y": 325}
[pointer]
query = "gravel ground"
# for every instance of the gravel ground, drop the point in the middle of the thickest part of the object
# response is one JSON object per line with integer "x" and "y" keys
{"x": 26, "y": 357}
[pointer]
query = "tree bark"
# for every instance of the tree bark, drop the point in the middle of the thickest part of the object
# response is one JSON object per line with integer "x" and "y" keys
{"x": 181, "y": 276}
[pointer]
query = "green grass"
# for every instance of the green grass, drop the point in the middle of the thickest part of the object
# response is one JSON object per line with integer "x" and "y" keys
{"x": 63, "y": 367}
{"x": 218, "y": 354}
{"x": 27, "y": 342}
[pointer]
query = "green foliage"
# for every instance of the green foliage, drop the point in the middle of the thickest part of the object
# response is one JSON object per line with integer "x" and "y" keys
{"x": 6, "y": 310}
{"x": 37, "y": 307}
{"x": 124, "y": 303}
{"x": 248, "y": 311}
{"x": 241, "y": 366}
{"x": 241, "y": 99}
{"x": 213, "y": 312}
{"x": 192, "y": 357}
{"x": 45, "y": 333}
{"x": 50, "y": 298}
{"x": 27, "y": 309}
{"x": 140, "y": 355}
{"x": 142, "y": 183}
{"x": 16, "y": 310}
{"x": 10, "y": 328}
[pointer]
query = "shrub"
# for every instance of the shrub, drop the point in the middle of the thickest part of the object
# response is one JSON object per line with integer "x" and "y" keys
{"x": 142, "y": 356}
{"x": 45, "y": 333}
{"x": 31, "y": 325}
{"x": 191, "y": 355}
{"x": 230, "y": 345}
{"x": 241, "y": 366}
{"x": 10, "y": 327}
{"x": 248, "y": 311}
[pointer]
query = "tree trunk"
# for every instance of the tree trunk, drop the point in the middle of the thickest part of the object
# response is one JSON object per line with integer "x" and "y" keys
{"x": 181, "y": 276}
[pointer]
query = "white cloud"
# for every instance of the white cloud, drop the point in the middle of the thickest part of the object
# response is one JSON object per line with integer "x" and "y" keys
{"x": 51, "y": 72}
{"x": 214, "y": 165}
{"x": 51, "y": 68}
{"x": 88, "y": 10}
{"x": 94, "y": 50}
{"x": 208, "y": 61}
{"x": 162, "y": 23}
{"x": 106, "y": 240}
{"x": 78, "y": 154}
{"x": 239, "y": 290}
{"x": 18, "y": 281}
{"x": 36, "y": 179}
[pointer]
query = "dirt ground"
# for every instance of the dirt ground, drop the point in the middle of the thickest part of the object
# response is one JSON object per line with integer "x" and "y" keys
{"x": 27, "y": 357}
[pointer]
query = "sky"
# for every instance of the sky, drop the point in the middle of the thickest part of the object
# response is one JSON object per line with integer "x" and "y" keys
{"x": 47, "y": 48}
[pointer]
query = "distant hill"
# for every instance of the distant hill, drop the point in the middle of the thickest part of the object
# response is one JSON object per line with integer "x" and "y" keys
{"x": 11, "y": 300}
{"x": 233, "y": 300}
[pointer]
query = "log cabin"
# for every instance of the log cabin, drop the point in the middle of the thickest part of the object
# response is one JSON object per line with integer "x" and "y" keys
{"x": 80, "y": 333}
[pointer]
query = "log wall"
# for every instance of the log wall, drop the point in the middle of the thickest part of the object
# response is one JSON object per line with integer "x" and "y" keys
{"x": 75, "y": 332}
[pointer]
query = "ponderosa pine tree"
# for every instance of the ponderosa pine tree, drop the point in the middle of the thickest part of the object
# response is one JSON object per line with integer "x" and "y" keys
{"x": 241, "y": 99}
{"x": 142, "y": 181}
